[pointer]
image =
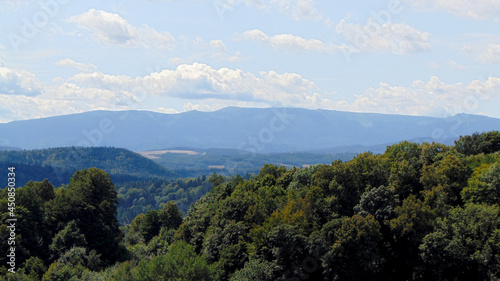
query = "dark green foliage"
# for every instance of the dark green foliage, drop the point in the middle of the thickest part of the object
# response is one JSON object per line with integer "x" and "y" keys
{"x": 366, "y": 219}
{"x": 355, "y": 251}
{"x": 138, "y": 197}
{"x": 476, "y": 143}
{"x": 378, "y": 202}
{"x": 74, "y": 226}
{"x": 34, "y": 268}
{"x": 58, "y": 164}
{"x": 66, "y": 239}
{"x": 416, "y": 212}
{"x": 255, "y": 269}
{"x": 146, "y": 226}
{"x": 465, "y": 245}
{"x": 96, "y": 200}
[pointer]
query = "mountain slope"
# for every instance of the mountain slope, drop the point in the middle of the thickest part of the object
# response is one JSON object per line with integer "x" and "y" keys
{"x": 250, "y": 129}
{"x": 59, "y": 164}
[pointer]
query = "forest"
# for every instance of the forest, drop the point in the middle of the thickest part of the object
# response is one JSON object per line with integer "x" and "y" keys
{"x": 415, "y": 212}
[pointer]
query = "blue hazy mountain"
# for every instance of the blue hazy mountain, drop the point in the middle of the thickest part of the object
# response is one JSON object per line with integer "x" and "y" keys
{"x": 250, "y": 129}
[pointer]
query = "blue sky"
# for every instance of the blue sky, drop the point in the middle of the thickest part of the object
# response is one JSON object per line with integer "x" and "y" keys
{"x": 416, "y": 57}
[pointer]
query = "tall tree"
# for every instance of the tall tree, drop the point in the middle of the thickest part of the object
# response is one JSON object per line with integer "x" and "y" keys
{"x": 96, "y": 199}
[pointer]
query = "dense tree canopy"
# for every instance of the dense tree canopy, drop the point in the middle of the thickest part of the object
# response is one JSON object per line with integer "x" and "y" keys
{"x": 416, "y": 212}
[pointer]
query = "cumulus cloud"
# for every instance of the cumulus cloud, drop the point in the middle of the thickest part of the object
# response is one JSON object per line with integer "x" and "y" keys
{"x": 491, "y": 54}
{"x": 290, "y": 42}
{"x": 85, "y": 67}
{"x": 201, "y": 86}
{"x": 112, "y": 29}
{"x": 22, "y": 96}
{"x": 200, "y": 81}
{"x": 389, "y": 37}
{"x": 474, "y": 9}
{"x": 397, "y": 38}
{"x": 66, "y": 98}
{"x": 431, "y": 98}
{"x": 18, "y": 82}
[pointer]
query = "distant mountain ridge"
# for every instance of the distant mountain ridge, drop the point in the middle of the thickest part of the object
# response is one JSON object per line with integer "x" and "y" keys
{"x": 260, "y": 130}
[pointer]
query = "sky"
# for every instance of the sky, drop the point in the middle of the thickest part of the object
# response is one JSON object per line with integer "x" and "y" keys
{"x": 413, "y": 57}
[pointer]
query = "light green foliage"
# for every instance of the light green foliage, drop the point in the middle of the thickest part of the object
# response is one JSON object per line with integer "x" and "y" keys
{"x": 484, "y": 185}
{"x": 180, "y": 263}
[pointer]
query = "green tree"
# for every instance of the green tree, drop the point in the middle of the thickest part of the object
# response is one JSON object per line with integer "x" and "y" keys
{"x": 66, "y": 239}
{"x": 180, "y": 263}
{"x": 34, "y": 268}
{"x": 170, "y": 216}
{"x": 96, "y": 201}
{"x": 150, "y": 225}
{"x": 484, "y": 185}
{"x": 476, "y": 143}
{"x": 255, "y": 269}
{"x": 405, "y": 168}
{"x": 465, "y": 245}
{"x": 286, "y": 248}
{"x": 451, "y": 172}
{"x": 379, "y": 202}
{"x": 414, "y": 219}
{"x": 355, "y": 251}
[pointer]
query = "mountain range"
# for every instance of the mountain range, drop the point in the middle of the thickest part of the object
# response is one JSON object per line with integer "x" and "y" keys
{"x": 255, "y": 130}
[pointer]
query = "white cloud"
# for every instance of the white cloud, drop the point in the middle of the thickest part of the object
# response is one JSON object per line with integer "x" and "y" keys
{"x": 298, "y": 9}
{"x": 67, "y": 98}
{"x": 96, "y": 98}
{"x": 294, "y": 9}
{"x": 162, "y": 109}
{"x": 103, "y": 81}
{"x": 199, "y": 81}
{"x": 18, "y": 82}
{"x": 291, "y": 42}
{"x": 491, "y": 54}
{"x": 27, "y": 98}
{"x": 474, "y": 9}
{"x": 112, "y": 29}
{"x": 84, "y": 67}
{"x": 397, "y": 38}
{"x": 24, "y": 107}
{"x": 432, "y": 98}
{"x": 219, "y": 51}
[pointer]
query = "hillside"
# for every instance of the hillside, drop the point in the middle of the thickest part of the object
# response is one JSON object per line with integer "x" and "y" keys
{"x": 195, "y": 162}
{"x": 58, "y": 164}
{"x": 416, "y": 212}
{"x": 250, "y": 129}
